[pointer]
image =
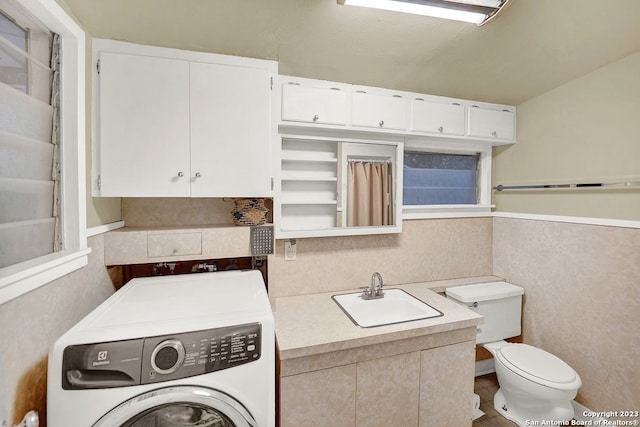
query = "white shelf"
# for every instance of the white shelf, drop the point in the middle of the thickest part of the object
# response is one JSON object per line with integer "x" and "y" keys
{"x": 309, "y": 202}
{"x": 309, "y": 185}
{"x": 291, "y": 157}
{"x": 310, "y": 178}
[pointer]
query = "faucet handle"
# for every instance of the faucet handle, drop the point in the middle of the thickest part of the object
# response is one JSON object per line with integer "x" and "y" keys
{"x": 366, "y": 292}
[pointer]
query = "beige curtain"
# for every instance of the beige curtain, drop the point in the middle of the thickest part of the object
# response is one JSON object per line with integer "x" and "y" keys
{"x": 369, "y": 193}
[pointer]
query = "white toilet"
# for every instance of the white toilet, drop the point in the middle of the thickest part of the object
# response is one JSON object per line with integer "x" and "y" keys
{"x": 534, "y": 385}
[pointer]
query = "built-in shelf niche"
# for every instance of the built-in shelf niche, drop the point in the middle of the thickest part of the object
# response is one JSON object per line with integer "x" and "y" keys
{"x": 311, "y": 197}
{"x": 309, "y": 184}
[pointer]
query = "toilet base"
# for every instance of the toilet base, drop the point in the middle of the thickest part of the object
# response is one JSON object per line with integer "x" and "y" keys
{"x": 525, "y": 418}
{"x": 500, "y": 405}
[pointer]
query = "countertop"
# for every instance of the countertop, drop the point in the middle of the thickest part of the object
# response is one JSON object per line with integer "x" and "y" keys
{"x": 314, "y": 324}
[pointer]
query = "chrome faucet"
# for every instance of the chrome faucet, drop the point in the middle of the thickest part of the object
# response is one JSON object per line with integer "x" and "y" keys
{"x": 373, "y": 291}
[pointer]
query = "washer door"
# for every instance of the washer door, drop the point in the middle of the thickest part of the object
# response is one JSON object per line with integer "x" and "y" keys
{"x": 182, "y": 406}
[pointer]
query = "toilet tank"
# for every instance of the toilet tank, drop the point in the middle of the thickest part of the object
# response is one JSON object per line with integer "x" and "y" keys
{"x": 499, "y": 302}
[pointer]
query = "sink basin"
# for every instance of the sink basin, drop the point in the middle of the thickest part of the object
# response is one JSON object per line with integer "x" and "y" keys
{"x": 397, "y": 306}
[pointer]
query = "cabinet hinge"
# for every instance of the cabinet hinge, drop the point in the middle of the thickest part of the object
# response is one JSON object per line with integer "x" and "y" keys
{"x": 98, "y": 66}
{"x": 99, "y": 182}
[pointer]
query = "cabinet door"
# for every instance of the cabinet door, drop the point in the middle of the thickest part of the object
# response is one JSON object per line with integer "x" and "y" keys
{"x": 144, "y": 126}
{"x": 324, "y": 398}
{"x": 388, "y": 391}
{"x": 431, "y": 117}
{"x": 230, "y": 131}
{"x": 314, "y": 104}
{"x": 446, "y": 385}
{"x": 495, "y": 124}
{"x": 378, "y": 111}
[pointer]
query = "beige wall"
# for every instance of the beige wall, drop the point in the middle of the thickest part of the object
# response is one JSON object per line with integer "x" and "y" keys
{"x": 99, "y": 210}
{"x": 584, "y": 131}
{"x": 582, "y": 293}
{"x": 425, "y": 250}
{"x": 31, "y": 323}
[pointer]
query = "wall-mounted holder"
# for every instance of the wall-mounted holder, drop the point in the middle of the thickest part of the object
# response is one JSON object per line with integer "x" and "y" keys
{"x": 623, "y": 184}
{"x": 261, "y": 240}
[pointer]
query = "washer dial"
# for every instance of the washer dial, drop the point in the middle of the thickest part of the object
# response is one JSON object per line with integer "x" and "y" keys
{"x": 167, "y": 357}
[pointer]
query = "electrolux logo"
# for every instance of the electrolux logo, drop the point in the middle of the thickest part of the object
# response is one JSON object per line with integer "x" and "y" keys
{"x": 102, "y": 358}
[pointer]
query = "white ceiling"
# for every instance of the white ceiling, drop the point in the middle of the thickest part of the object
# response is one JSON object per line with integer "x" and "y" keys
{"x": 532, "y": 47}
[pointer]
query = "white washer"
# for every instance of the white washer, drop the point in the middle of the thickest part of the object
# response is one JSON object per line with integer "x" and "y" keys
{"x": 194, "y": 349}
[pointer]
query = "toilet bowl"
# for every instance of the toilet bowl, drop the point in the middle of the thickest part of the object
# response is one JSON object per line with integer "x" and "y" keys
{"x": 535, "y": 385}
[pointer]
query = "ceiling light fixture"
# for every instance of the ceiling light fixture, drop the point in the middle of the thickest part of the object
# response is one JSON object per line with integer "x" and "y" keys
{"x": 474, "y": 11}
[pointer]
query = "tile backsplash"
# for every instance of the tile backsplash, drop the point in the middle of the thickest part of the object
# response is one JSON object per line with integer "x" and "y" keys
{"x": 426, "y": 250}
{"x": 582, "y": 293}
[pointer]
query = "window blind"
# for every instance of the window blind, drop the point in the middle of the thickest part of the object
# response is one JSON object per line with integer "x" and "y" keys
{"x": 439, "y": 179}
{"x": 29, "y": 169}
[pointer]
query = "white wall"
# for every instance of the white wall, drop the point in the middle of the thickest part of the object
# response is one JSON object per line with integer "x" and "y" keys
{"x": 584, "y": 131}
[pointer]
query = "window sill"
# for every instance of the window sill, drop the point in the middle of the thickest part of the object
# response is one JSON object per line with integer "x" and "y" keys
{"x": 445, "y": 211}
{"x": 19, "y": 279}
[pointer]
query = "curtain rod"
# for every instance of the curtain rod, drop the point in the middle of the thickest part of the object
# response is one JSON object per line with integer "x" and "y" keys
{"x": 368, "y": 161}
{"x": 623, "y": 184}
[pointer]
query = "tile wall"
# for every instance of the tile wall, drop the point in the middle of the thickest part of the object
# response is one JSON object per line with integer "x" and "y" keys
{"x": 582, "y": 300}
{"x": 425, "y": 250}
{"x": 30, "y": 324}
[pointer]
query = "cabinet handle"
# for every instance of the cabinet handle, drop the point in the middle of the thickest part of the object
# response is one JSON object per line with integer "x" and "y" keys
{"x": 397, "y": 96}
{"x": 455, "y": 103}
{"x": 180, "y": 174}
{"x": 381, "y": 123}
{"x": 335, "y": 88}
{"x": 440, "y": 129}
{"x": 315, "y": 118}
{"x": 474, "y": 106}
{"x": 198, "y": 175}
{"x": 419, "y": 99}
{"x": 294, "y": 83}
{"x": 361, "y": 91}
{"x": 494, "y": 133}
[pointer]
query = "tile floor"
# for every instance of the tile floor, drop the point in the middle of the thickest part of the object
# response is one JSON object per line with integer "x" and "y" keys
{"x": 486, "y": 386}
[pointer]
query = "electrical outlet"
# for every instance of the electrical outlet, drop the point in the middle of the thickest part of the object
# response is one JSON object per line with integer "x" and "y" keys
{"x": 290, "y": 250}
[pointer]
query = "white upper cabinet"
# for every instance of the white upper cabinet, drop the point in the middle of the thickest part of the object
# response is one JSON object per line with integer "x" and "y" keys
{"x": 143, "y": 126}
{"x": 438, "y": 118}
{"x": 230, "y": 131}
{"x": 318, "y": 104}
{"x": 492, "y": 124}
{"x": 172, "y": 123}
{"x": 380, "y": 111}
{"x": 330, "y": 107}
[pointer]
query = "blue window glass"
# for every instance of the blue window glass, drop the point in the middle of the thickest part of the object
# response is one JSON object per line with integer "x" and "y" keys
{"x": 439, "y": 179}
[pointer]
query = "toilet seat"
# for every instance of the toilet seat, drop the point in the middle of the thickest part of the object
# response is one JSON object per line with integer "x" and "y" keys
{"x": 538, "y": 366}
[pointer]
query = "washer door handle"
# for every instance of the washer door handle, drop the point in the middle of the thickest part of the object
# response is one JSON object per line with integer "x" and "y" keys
{"x": 87, "y": 379}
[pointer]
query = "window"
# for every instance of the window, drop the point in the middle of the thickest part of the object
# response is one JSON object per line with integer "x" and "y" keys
{"x": 448, "y": 182}
{"x": 440, "y": 179}
{"x": 29, "y": 127}
{"x": 40, "y": 240}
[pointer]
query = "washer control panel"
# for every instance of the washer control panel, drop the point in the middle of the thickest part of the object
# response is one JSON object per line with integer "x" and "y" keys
{"x": 160, "y": 358}
{"x": 172, "y": 357}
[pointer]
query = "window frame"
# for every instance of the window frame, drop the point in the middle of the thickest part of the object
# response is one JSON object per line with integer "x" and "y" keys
{"x": 18, "y": 279}
{"x": 482, "y": 207}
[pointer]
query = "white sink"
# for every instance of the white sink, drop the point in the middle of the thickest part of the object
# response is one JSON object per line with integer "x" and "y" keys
{"x": 397, "y": 306}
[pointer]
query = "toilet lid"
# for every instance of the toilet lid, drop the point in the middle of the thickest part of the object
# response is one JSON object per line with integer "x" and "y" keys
{"x": 538, "y": 365}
